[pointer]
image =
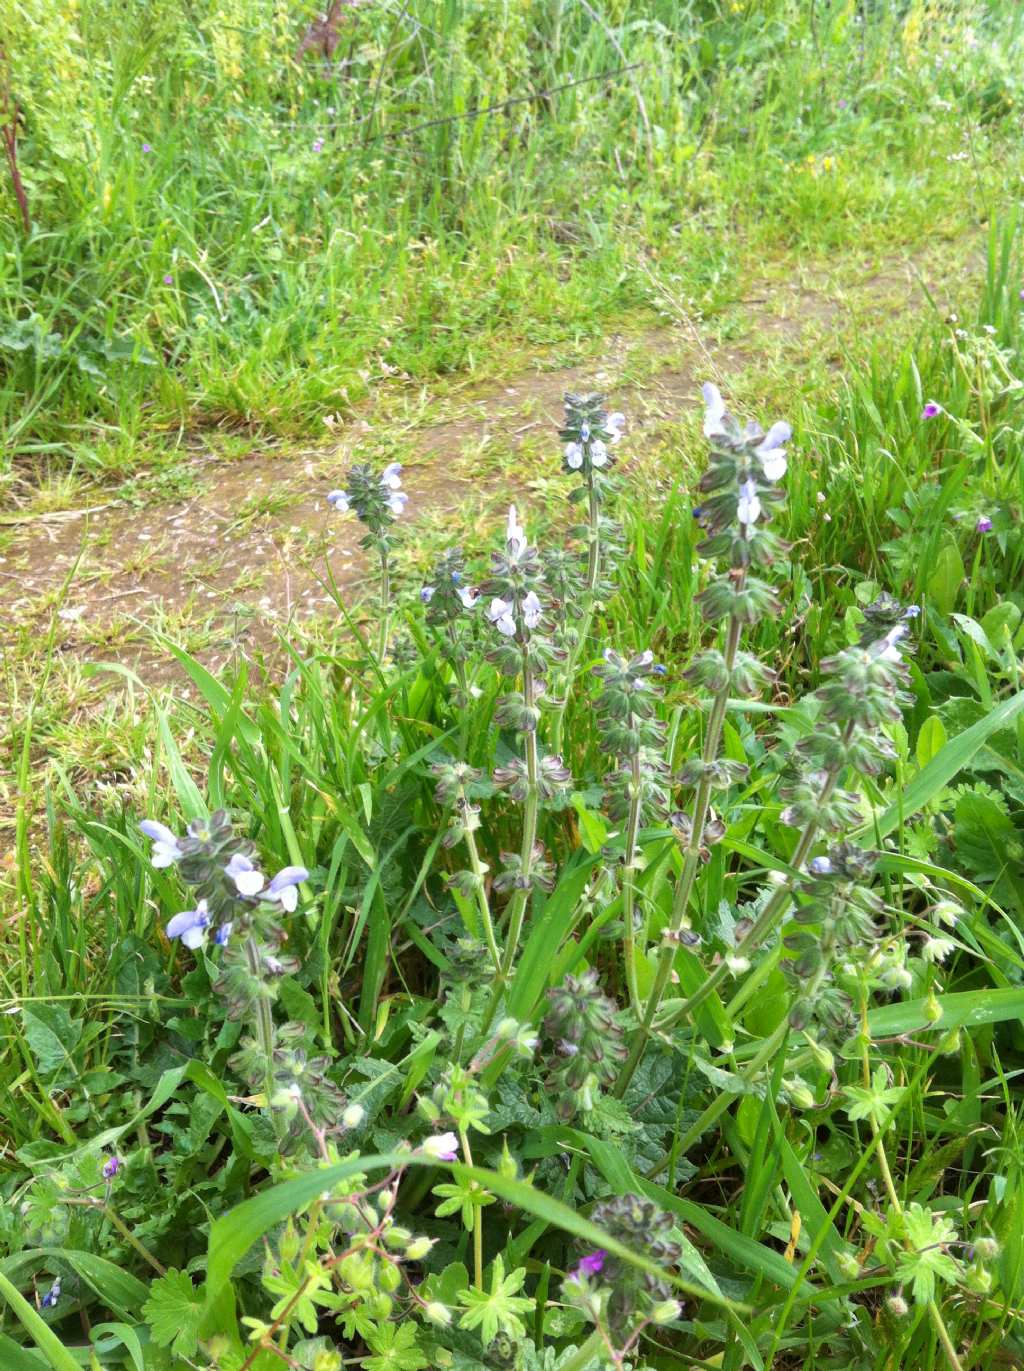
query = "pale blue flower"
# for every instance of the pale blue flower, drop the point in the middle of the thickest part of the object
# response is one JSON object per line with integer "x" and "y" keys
{"x": 598, "y": 453}
{"x": 515, "y": 536}
{"x": 444, "y": 1147}
{"x": 396, "y": 501}
{"x": 574, "y": 456}
{"x": 190, "y": 926}
{"x": 166, "y": 850}
{"x": 52, "y": 1295}
{"x": 531, "y": 610}
{"x": 223, "y": 933}
{"x": 283, "y": 890}
{"x": 391, "y": 476}
{"x": 748, "y": 508}
{"x": 427, "y": 594}
{"x": 500, "y": 615}
{"x": 469, "y": 596}
{"x": 771, "y": 452}
{"x": 339, "y": 499}
{"x": 715, "y": 411}
{"x": 248, "y": 881}
{"x": 819, "y": 866}
{"x": 614, "y": 425}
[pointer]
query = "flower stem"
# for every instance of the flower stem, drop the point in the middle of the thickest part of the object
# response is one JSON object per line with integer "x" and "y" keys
{"x": 934, "y": 1312}
{"x": 385, "y": 603}
{"x": 265, "y": 1029}
{"x": 593, "y": 576}
{"x": 691, "y": 862}
{"x": 478, "y": 1221}
{"x": 482, "y": 903}
{"x": 518, "y": 903}
{"x": 629, "y": 885}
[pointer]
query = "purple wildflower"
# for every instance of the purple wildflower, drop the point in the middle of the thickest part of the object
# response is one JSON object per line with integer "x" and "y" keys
{"x": 168, "y": 280}
{"x": 984, "y": 524}
{"x": 444, "y": 1147}
{"x": 590, "y": 1265}
{"x": 841, "y": 104}
{"x": 283, "y": 889}
{"x": 111, "y": 1167}
{"x": 930, "y": 410}
{"x": 147, "y": 147}
{"x": 318, "y": 145}
{"x": 166, "y": 849}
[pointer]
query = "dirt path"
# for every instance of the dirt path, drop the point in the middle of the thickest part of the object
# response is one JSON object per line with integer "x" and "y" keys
{"x": 250, "y": 551}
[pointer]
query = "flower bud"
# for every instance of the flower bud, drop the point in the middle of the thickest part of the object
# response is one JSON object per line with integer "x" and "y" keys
{"x": 290, "y": 1243}
{"x": 428, "y": 1109}
{"x": 848, "y": 1265}
{"x": 897, "y": 1306}
{"x": 665, "y": 1311}
{"x": 986, "y": 1249}
{"x": 799, "y": 1093}
{"x": 979, "y": 1279}
{"x": 389, "y": 1277}
{"x": 353, "y": 1116}
{"x": 418, "y": 1248}
{"x": 436, "y": 1312}
{"x": 932, "y": 1008}
{"x": 507, "y": 1028}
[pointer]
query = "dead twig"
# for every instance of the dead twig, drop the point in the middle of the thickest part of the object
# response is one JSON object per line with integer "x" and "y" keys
{"x": 9, "y": 115}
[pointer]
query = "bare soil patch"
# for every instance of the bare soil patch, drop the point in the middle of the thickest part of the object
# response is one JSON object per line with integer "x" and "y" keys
{"x": 258, "y": 546}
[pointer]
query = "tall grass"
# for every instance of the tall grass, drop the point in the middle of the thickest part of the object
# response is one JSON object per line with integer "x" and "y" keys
{"x": 227, "y": 233}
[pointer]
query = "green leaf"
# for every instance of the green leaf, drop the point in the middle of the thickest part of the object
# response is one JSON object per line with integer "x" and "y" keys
{"x": 395, "y": 1348}
{"x": 953, "y": 757}
{"x": 966, "y": 1009}
{"x": 497, "y": 1311}
{"x": 984, "y": 836}
{"x": 119, "y": 1290}
{"x": 52, "y": 1035}
{"x": 37, "y": 1328}
{"x": 174, "y": 1311}
{"x": 233, "y": 1234}
{"x": 14, "y": 1357}
{"x": 946, "y": 577}
{"x": 931, "y": 739}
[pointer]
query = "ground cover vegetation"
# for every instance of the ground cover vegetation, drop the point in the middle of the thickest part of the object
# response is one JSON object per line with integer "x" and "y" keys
{"x": 599, "y": 940}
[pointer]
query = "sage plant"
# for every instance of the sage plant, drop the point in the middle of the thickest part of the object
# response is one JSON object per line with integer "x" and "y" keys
{"x": 377, "y": 499}
{"x": 243, "y": 914}
{"x": 589, "y": 435}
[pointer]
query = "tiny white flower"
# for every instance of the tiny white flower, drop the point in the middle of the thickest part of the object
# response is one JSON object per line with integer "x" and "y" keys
{"x": 515, "y": 536}
{"x": 937, "y": 949}
{"x": 444, "y": 1147}
{"x": 500, "y": 615}
{"x": 469, "y": 596}
{"x": 772, "y": 451}
{"x": 715, "y": 411}
{"x": 248, "y": 881}
{"x": 531, "y": 610}
{"x": 886, "y": 647}
{"x": 748, "y": 508}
